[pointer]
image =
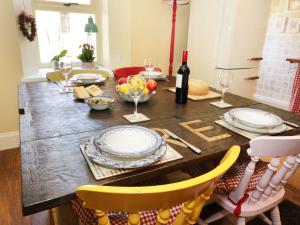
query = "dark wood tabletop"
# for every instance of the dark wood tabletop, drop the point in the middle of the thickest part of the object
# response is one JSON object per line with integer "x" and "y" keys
{"x": 52, "y": 125}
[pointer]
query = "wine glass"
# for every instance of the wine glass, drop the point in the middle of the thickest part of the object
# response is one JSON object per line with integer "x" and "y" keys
{"x": 149, "y": 67}
{"x": 136, "y": 86}
{"x": 66, "y": 69}
{"x": 225, "y": 78}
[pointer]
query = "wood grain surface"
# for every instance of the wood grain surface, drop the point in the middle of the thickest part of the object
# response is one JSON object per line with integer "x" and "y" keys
{"x": 52, "y": 124}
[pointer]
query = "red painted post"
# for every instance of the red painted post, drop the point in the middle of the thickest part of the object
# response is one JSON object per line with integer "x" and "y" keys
{"x": 172, "y": 39}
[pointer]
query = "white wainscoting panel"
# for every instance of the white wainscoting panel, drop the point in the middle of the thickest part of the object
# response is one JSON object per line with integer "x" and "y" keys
{"x": 9, "y": 140}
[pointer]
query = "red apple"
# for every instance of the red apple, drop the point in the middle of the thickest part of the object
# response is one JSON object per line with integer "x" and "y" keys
{"x": 122, "y": 80}
{"x": 151, "y": 85}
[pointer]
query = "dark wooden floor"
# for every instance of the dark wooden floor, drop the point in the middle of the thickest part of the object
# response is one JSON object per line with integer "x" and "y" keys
{"x": 10, "y": 193}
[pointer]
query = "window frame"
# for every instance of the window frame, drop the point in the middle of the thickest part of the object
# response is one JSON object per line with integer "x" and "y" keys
{"x": 60, "y": 7}
{"x": 47, "y": 5}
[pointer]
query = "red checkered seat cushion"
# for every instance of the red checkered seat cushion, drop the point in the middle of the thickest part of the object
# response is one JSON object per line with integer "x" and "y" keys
{"x": 231, "y": 179}
{"x": 88, "y": 216}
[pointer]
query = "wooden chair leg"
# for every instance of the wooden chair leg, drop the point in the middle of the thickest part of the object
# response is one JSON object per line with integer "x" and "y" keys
{"x": 241, "y": 221}
{"x": 216, "y": 216}
{"x": 275, "y": 216}
{"x": 265, "y": 219}
{"x": 200, "y": 222}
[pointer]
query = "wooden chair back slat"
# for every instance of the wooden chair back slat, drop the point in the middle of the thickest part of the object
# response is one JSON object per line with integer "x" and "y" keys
{"x": 274, "y": 146}
{"x": 192, "y": 193}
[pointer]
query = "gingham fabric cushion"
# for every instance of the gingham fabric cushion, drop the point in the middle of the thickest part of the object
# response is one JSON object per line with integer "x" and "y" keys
{"x": 231, "y": 179}
{"x": 88, "y": 216}
{"x": 295, "y": 97}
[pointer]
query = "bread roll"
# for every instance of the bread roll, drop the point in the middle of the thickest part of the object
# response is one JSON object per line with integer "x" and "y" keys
{"x": 198, "y": 87}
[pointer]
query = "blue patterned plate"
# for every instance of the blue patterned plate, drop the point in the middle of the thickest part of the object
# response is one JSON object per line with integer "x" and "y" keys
{"x": 122, "y": 163}
{"x": 128, "y": 141}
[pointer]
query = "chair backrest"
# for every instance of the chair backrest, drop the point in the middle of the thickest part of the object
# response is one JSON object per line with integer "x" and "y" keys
{"x": 58, "y": 76}
{"x": 275, "y": 176}
{"x": 192, "y": 193}
{"x": 127, "y": 71}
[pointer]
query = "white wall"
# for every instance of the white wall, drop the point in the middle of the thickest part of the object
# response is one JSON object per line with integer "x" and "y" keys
{"x": 119, "y": 31}
{"x": 142, "y": 28}
{"x": 151, "y": 32}
{"x": 29, "y": 50}
{"x": 204, "y": 28}
{"x": 10, "y": 75}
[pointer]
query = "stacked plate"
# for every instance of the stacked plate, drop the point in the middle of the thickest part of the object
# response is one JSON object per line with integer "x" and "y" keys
{"x": 254, "y": 120}
{"x": 87, "y": 79}
{"x": 154, "y": 75}
{"x": 126, "y": 147}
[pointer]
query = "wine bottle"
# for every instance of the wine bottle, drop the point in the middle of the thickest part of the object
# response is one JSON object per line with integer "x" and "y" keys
{"x": 182, "y": 80}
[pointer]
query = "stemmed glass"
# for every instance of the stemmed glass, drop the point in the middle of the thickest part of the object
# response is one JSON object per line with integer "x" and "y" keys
{"x": 136, "y": 85}
{"x": 225, "y": 78}
{"x": 149, "y": 67}
{"x": 66, "y": 69}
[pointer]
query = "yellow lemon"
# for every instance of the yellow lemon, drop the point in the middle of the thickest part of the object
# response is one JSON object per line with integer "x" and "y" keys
{"x": 123, "y": 88}
{"x": 146, "y": 91}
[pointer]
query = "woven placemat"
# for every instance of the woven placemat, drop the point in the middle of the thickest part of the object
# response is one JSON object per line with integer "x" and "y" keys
{"x": 100, "y": 172}
{"x": 247, "y": 134}
{"x": 210, "y": 95}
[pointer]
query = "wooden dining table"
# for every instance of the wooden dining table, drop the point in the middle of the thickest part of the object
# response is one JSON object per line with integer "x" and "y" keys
{"x": 52, "y": 125}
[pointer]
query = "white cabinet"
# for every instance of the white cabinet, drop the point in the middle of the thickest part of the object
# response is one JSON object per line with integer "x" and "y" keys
{"x": 227, "y": 33}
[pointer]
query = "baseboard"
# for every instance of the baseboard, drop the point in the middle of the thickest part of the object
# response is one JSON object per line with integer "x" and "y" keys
{"x": 9, "y": 140}
{"x": 271, "y": 101}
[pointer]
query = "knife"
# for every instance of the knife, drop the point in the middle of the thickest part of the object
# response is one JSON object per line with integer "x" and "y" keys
{"x": 291, "y": 124}
{"x": 192, "y": 147}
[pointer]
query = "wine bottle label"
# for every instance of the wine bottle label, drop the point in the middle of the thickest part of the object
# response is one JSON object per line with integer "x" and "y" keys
{"x": 178, "y": 80}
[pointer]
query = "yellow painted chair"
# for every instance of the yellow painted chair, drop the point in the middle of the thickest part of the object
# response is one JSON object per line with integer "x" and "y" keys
{"x": 58, "y": 76}
{"x": 138, "y": 201}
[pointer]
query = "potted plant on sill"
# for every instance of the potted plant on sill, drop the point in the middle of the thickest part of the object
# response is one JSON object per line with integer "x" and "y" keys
{"x": 87, "y": 56}
{"x": 56, "y": 59}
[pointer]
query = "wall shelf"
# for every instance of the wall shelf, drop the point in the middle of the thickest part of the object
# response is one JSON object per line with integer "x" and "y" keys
{"x": 293, "y": 60}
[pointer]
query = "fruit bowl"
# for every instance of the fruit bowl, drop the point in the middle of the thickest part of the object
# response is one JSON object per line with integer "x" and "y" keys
{"x": 127, "y": 98}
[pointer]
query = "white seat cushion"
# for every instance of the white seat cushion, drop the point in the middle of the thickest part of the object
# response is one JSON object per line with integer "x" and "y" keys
{"x": 248, "y": 210}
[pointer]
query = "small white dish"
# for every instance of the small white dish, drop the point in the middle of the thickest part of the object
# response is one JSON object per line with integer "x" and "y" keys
{"x": 100, "y": 102}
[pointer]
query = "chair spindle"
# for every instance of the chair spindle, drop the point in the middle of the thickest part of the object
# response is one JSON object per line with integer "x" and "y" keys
{"x": 278, "y": 176}
{"x": 200, "y": 202}
{"x": 186, "y": 209}
{"x": 236, "y": 195}
{"x": 134, "y": 219}
{"x": 163, "y": 216}
{"x": 264, "y": 181}
{"x": 102, "y": 218}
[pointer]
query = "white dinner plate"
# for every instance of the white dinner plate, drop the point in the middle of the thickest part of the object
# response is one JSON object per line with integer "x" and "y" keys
{"x": 128, "y": 141}
{"x": 155, "y": 75}
{"x": 275, "y": 130}
{"x": 97, "y": 157}
{"x": 255, "y": 118}
{"x": 78, "y": 81}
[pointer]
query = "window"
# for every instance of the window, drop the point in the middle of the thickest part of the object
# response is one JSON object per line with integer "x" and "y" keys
{"x": 84, "y": 2}
{"x": 61, "y": 27}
